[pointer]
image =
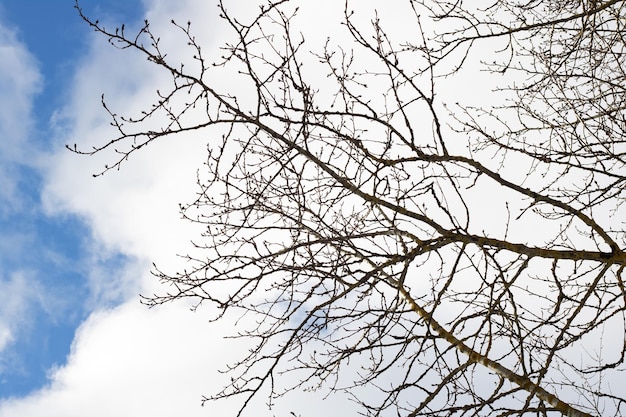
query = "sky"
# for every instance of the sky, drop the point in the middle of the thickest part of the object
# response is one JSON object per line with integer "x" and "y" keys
{"x": 76, "y": 251}
{"x": 42, "y": 268}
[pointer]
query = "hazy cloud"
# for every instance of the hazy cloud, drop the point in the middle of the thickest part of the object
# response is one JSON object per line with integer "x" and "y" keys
{"x": 19, "y": 82}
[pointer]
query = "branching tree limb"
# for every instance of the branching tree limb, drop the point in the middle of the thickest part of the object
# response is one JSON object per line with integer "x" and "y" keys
{"x": 466, "y": 254}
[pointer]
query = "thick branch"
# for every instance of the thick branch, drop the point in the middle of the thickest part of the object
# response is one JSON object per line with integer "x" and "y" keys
{"x": 474, "y": 356}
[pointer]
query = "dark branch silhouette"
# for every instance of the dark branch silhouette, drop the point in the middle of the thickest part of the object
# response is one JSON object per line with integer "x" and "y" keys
{"x": 464, "y": 255}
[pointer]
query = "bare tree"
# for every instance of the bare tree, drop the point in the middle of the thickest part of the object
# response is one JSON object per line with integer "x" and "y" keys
{"x": 469, "y": 253}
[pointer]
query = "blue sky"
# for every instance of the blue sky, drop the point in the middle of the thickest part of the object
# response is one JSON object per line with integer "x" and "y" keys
{"x": 41, "y": 251}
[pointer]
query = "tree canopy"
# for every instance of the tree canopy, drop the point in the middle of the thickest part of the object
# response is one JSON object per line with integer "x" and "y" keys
{"x": 433, "y": 191}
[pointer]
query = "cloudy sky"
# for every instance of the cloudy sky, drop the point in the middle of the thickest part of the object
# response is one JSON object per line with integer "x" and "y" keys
{"x": 75, "y": 252}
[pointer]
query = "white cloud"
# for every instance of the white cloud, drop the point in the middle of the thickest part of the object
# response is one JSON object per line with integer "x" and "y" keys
{"x": 129, "y": 361}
